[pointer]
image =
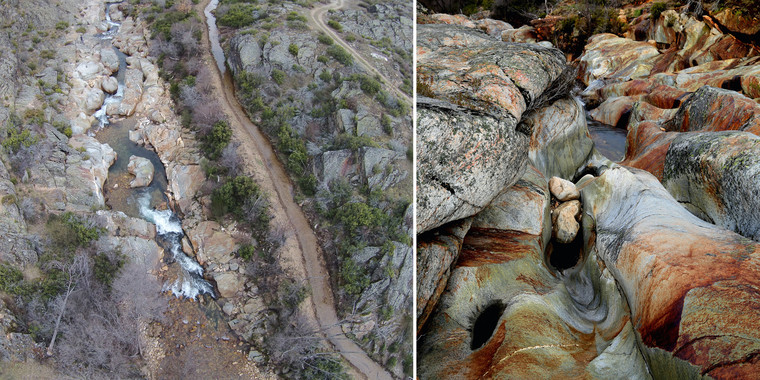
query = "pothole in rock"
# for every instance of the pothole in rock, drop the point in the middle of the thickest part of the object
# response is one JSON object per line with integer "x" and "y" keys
{"x": 562, "y": 257}
{"x": 485, "y": 324}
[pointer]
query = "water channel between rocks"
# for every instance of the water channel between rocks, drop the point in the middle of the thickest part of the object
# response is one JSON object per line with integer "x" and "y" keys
{"x": 147, "y": 202}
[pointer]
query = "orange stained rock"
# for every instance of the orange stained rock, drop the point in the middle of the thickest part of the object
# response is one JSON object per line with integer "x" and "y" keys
{"x": 646, "y": 148}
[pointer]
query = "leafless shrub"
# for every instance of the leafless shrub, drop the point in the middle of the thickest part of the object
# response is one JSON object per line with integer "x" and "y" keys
{"x": 559, "y": 89}
{"x": 230, "y": 159}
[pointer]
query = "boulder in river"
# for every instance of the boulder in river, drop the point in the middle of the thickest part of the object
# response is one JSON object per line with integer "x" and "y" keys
{"x": 142, "y": 169}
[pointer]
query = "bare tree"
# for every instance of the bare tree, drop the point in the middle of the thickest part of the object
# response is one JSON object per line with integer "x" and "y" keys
{"x": 230, "y": 158}
{"x": 77, "y": 270}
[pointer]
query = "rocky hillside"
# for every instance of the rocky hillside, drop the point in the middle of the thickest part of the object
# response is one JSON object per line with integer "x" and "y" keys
{"x": 345, "y": 134}
{"x": 646, "y": 273}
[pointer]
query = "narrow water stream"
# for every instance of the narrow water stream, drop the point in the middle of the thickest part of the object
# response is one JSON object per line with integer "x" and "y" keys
{"x": 213, "y": 35}
{"x": 147, "y": 202}
{"x": 608, "y": 140}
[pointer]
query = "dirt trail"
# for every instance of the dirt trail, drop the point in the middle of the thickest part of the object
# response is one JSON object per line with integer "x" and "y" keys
{"x": 265, "y": 166}
{"x": 316, "y": 17}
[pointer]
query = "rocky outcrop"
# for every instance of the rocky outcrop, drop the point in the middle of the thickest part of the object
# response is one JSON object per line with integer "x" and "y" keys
{"x": 456, "y": 152}
{"x": 15, "y": 247}
{"x": 142, "y": 169}
{"x": 468, "y": 132}
{"x": 716, "y": 176}
{"x": 715, "y": 109}
{"x": 691, "y": 286}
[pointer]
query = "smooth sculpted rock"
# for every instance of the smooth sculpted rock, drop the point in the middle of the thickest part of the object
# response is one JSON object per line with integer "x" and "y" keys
{"x": 437, "y": 251}
{"x": 646, "y": 146}
{"x": 142, "y": 169}
{"x": 565, "y": 222}
{"x": 464, "y": 159}
{"x": 692, "y": 286}
{"x": 716, "y": 109}
{"x": 560, "y": 143}
{"x": 563, "y": 189}
{"x": 506, "y": 315}
{"x": 716, "y": 176}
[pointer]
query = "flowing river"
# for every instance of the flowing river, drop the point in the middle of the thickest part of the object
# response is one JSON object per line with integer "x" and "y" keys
{"x": 144, "y": 202}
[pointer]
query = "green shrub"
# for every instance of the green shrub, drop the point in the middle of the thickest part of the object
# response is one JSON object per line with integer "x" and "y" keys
{"x": 106, "y": 269}
{"x": 293, "y": 50}
{"x": 657, "y": 9}
{"x": 238, "y": 16}
{"x": 355, "y": 215}
{"x": 323, "y": 59}
{"x": 278, "y": 76}
{"x": 217, "y": 139}
{"x": 340, "y": 55}
{"x": 246, "y": 251}
{"x": 69, "y": 231}
{"x": 350, "y": 38}
{"x": 325, "y": 39}
{"x": 308, "y": 184}
{"x": 232, "y": 196}
{"x": 295, "y": 16}
{"x": 354, "y": 277}
{"x": 369, "y": 85}
{"x": 385, "y": 120}
{"x": 19, "y": 137}
{"x": 10, "y": 278}
{"x": 325, "y": 76}
{"x": 348, "y": 141}
{"x": 163, "y": 25}
{"x": 81, "y": 29}
{"x": 335, "y": 25}
{"x": 61, "y": 25}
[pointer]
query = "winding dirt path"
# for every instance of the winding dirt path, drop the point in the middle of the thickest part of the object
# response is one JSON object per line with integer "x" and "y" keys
{"x": 316, "y": 17}
{"x": 265, "y": 163}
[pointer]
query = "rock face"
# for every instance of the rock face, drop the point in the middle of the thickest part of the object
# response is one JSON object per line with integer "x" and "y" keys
{"x": 468, "y": 133}
{"x": 457, "y": 151}
{"x": 715, "y": 109}
{"x": 691, "y": 286}
{"x": 142, "y": 169}
{"x": 716, "y": 176}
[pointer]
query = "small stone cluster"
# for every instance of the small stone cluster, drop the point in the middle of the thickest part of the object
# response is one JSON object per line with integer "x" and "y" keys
{"x": 566, "y": 210}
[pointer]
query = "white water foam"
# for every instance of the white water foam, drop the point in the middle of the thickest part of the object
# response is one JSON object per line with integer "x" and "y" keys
{"x": 169, "y": 228}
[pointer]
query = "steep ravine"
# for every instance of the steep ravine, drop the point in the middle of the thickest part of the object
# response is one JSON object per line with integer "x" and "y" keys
{"x": 307, "y": 243}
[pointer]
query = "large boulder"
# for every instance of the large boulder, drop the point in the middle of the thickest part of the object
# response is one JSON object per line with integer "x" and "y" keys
{"x": 717, "y": 177}
{"x": 646, "y": 147}
{"x": 608, "y": 56}
{"x": 691, "y": 286}
{"x": 463, "y": 161}
{"x": 560, "y": 143}
{"x": 716, "y": 109}
{"x": 469, "y": 148}
{"x": 142, "y": 169}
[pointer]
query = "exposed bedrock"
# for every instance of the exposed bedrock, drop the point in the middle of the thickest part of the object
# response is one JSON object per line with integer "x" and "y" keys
{"x": 503, "y": 283}
{"x": 691, "y": 286}
{"x": 716, "y": 176}
{"x": 469, "y": 146}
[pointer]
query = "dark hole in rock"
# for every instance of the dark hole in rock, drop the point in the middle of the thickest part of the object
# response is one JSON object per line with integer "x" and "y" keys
{"x": 486, "y": 324}
{"x": 566, "y": 256}
{"x": 733, "y": 84}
